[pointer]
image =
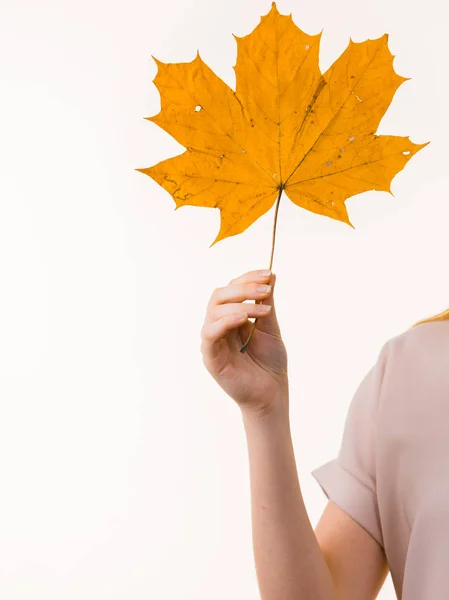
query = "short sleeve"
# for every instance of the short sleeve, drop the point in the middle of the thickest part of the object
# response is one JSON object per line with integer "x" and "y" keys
{"x": 349, "y": 480}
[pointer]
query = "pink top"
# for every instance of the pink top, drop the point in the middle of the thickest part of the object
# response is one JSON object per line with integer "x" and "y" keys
{"x": 391, "y": 474}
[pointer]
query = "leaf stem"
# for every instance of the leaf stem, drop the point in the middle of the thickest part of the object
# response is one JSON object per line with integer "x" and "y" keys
{"x": 245, "y": 345}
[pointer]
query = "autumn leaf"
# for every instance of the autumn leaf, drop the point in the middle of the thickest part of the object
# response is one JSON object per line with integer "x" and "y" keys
{"x": 286, "y": 128}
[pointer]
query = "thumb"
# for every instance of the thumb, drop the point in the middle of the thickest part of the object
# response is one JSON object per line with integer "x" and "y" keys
{"x": 269, "y": 324}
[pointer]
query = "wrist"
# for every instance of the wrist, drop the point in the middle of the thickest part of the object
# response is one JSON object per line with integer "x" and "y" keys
{"x": 276, "y": 411}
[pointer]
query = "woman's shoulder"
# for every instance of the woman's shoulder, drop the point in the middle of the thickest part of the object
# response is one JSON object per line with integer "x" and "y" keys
{"x": 421, "y": 336}
{"x": 420, "y": 346}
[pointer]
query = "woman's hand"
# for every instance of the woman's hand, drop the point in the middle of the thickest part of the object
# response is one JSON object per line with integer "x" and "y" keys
{"x": 256, "y": 379}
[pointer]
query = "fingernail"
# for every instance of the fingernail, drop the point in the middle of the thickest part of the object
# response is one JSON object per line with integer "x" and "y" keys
{"x": 265, "y": 273}
{"x": 264, "y": 308}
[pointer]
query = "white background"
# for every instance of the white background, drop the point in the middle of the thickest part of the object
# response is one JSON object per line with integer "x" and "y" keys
{"x": 123, "y": 465}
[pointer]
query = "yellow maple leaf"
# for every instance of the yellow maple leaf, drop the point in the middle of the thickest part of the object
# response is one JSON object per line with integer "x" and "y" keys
{"x": 286, "y": 128}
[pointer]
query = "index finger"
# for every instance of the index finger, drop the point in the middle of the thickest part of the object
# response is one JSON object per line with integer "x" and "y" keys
{"x": 250, "y": 276}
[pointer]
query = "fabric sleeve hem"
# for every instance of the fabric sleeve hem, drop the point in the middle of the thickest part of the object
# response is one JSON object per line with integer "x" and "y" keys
{"x": 351, "y": 495}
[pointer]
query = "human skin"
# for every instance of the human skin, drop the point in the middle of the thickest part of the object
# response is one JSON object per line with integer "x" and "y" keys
{"x": 289, "y": 562}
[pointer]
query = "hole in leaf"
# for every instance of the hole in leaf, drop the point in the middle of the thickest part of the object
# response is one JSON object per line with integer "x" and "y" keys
{"x": 221, "y": 155}
{"x": 307, "y": 47}
{"x": 243, "y": 151}
{"x": 406, "y": 152}
{"x": 329, "y": 162}
{"x": 342, "y": 149}
{"x": 352, "y": 138}
{"x": 358, "y": 97}
{"x": 198, "y": 108}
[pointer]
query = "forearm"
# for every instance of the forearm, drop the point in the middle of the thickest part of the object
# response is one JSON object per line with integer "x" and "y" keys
{"x": 288, "y": 559}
